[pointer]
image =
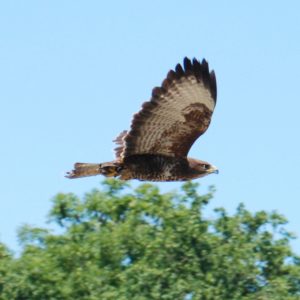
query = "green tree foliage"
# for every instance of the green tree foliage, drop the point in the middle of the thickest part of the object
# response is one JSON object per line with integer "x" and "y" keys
{"x": 123, "y": 243}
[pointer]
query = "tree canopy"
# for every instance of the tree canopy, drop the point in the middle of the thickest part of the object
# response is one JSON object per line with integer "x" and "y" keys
{"x": 124, "y": 243}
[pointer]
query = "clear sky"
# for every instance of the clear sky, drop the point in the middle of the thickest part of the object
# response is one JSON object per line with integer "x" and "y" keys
{"x": 73, "y": 73}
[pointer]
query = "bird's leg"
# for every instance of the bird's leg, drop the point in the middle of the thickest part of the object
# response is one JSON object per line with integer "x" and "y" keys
{"x": 110, "y": 170}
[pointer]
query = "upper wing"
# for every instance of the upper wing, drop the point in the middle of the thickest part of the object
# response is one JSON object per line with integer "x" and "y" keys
{"x": 177, "y": 114}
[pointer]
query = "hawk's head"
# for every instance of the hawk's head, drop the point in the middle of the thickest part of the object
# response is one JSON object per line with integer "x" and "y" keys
{"x": 200, "y": 168}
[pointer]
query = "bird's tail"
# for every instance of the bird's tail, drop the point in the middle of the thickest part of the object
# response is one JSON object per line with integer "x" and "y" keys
{"x": 108, "y": 169}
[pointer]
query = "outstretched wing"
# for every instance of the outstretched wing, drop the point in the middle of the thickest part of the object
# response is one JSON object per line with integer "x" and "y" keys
{"x": 177, "y": 114}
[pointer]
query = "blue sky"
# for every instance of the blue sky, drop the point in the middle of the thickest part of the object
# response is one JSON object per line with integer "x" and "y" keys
{"x": 73, "y": 73}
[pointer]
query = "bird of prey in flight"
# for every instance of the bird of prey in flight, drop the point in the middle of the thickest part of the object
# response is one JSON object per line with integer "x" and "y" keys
{"x": 156, "y": 146}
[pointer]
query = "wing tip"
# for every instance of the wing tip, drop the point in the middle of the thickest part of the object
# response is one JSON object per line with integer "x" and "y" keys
{"x": 200, "y": 70}
{"x": 213, "y": 84}
{"x": 189, "y": 68}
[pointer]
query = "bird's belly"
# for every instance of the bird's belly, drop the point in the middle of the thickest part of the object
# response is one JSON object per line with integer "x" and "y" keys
{"x": 154, "y": 168}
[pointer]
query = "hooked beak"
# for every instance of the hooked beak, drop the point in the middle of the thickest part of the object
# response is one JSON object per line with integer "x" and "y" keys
{"x": 214, "y": 169}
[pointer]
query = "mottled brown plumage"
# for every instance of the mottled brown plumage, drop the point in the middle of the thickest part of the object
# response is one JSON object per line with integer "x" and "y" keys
{"x": 163, "y": 131}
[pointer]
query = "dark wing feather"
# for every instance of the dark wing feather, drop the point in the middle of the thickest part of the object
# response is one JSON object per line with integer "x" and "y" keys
{"x": 176, "y": 115}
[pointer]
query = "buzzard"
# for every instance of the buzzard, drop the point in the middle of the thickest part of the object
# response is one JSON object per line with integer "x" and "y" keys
{"x": 163, "y": 131}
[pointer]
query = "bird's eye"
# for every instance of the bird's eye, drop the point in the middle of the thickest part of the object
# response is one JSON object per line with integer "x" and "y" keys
{"x": 205, "y": 167}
